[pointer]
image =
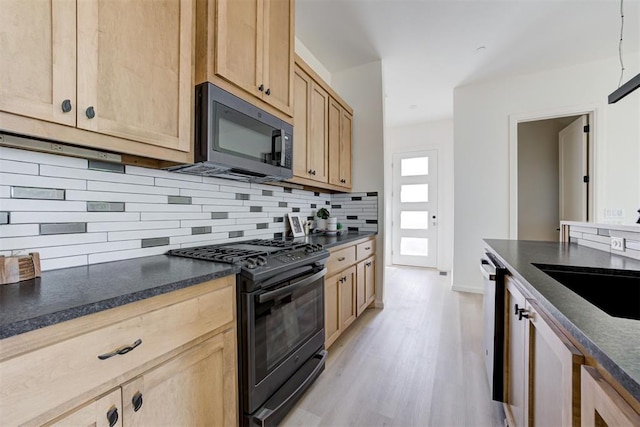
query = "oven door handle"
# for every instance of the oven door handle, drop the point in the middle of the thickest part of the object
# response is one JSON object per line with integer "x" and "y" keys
{"x": 269, "y": 296}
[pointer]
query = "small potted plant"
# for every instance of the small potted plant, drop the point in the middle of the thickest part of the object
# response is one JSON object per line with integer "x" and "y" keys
{"x": 323, "y": 215}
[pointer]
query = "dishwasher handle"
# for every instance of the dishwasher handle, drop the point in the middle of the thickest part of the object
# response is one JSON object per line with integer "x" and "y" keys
{"x": 488, "y": 270}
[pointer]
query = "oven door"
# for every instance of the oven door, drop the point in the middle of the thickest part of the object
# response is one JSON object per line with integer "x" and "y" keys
{"x": 282, "y": 328}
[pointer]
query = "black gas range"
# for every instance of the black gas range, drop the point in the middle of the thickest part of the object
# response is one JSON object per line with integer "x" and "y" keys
{"x": 260, "y": 259}
{"x": 280, "y": 303}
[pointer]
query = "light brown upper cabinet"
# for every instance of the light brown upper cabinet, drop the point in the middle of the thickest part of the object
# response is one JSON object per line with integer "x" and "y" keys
{"x": 130, "y": 84}
{"x": 246, "y": 47}
{"x": 310, "y": 129}
{"x": 340, "y": 131}
{"x": 323, "y": 126}
{"x": 38, "y": 61}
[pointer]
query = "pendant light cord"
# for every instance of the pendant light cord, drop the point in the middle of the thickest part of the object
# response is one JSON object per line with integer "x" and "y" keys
{"x": 620, "y": 44}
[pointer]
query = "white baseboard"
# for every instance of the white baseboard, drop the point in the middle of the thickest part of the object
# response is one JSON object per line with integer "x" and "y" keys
{"x": 470, "y": 289}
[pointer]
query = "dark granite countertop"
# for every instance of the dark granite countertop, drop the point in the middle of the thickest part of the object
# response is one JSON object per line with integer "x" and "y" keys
{"x": 331, "y": 241}
{"x": 614, "y": 342}
{"x": 69, "y": 293}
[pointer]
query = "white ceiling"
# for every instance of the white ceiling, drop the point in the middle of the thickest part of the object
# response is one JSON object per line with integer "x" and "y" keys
{"x": 428, "y": 47}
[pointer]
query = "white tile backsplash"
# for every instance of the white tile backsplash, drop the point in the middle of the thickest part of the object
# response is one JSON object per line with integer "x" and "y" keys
{"x": 597, "y": 236}
{"x": 52, "y": 217}
{"x": 11, "y": 166}
{"x": 41, "y": 181}
{"x": 235, "y": 211}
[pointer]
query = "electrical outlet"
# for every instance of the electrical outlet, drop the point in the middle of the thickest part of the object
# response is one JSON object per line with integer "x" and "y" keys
{"x": 617, "y": 243}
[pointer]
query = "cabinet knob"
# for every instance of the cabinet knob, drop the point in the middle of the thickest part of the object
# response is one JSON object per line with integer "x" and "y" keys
{"x": 261, "y": 88}
{"x": 313, "y": 172}
{"x": 112, "y": 416}
{"x": 268, "y": 92}
{"x": 309, "y": 171}
{"x": 66, "y": 105}
{"x": 341, "y": 259}
{"x": 91, "y": 113}
{"x": 137, "y": 401}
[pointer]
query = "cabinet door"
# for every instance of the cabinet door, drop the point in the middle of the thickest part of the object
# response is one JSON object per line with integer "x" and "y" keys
{"x": 348, "y": 309}
{"x": 335, "y": 112}
{"x": 365, "y": 287}
{"x": 340, "y": 126}
{"x": 601, "y": 405}
{"x": 239, "y": 47}
{"x": 370, "y": 280}
{"x": 552, "y": 374}
{"x": 125, "y": 87}
{"x": 196, "y": 388}
{"x": 301, "y": 91}
{"x": 38, "y": 60}
{"x": 278, "y": 56}
{"x": 103, "y": 412}
{"x": 331, "y": 309}
{"x": 515, "y": 357}
{"x": 317, "y": 150}
{"x": 346, "y": 130}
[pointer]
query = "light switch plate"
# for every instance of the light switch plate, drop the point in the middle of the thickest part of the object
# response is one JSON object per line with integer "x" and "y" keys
{"x": 617, "y": 243}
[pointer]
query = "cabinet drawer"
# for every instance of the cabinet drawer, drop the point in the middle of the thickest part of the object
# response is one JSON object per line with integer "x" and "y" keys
{"x": 366, "y": 249}
{"x": 44, "y": 382}
{"x": 341, "y": 259}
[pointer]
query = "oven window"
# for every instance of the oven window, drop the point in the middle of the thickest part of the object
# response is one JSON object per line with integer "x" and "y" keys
{"x": 283, "y": 325}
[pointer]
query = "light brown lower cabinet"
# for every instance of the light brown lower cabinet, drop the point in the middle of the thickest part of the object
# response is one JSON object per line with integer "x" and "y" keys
{"x": 349, "y": 286}
{"x": 601, "y": 405}
{"x": 103, "y": 412}
{"x": 340, "y": 303}
{"x": 543, "y": 367}
{"x": 366, "y": 278}
{"x": 181, "y": 368}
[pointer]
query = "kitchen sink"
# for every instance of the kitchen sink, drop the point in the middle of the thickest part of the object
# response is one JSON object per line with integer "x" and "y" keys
{"x": 616, "y": 292}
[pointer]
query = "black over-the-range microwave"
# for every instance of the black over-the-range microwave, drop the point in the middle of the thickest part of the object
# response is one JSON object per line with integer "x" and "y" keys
{"x": 237, "y": 140}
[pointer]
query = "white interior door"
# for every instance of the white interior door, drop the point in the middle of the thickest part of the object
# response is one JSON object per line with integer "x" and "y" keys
{"x": 573, "y": 146}
{"x": 415, "y": 209}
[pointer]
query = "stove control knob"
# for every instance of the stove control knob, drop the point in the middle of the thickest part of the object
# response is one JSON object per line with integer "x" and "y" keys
{"x": 309, "y": 249}
{"x": 261, "y": 260}
{"x": 250, "y": 263}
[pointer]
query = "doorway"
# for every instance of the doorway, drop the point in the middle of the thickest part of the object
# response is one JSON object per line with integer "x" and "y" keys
{"x": 415, "y": 209}
{"x": 553, "y": 175}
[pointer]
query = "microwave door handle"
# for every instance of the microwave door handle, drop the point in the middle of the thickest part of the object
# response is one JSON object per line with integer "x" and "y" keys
{"x": 269, "y": 296}
{"x": 283, "y": 148}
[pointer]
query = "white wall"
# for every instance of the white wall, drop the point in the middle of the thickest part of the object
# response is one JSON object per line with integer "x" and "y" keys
{"x": 481, "y": 149}
{"x": 437, "y": 135}
{"x": 312, "y": 61}
{"x": 538, "y": 186}
{"x": 361, "y": 87}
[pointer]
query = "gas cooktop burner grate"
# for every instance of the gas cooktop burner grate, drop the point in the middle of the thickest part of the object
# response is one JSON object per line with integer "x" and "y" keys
{"x": 274, "y": 243}
{"x": 220, "y": 254}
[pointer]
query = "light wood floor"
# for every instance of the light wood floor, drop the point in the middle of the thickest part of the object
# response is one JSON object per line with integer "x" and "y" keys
{"x": 417, "y": 362}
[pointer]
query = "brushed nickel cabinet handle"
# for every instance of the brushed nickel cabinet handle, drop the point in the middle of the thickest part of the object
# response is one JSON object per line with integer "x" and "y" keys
{"x": 122, "y": 350}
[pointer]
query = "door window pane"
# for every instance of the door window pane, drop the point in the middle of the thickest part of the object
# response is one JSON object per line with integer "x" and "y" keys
{"x": 415, "y": 166}
{"x": 414, "y": 246}
{"x": 414, "y": 220}
{"x": 414, "y": 193}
